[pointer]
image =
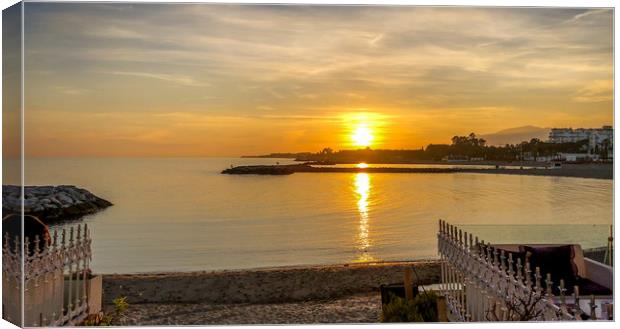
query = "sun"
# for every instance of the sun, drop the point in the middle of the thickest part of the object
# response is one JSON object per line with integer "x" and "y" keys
{"x": 362, "y": 136}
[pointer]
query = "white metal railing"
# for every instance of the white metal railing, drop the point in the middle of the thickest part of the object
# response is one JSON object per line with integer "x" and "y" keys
{"x": 55, "y": 278}
{"x": 482, "y": 283}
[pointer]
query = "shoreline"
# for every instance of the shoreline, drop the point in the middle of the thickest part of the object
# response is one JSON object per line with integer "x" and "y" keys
{"x": 594, "y": 171}
{"x": 263, "y": 285}
{"x": 599, "y": 171}
{"x": 313, "y": 294}
{"x": 528, "y": 163}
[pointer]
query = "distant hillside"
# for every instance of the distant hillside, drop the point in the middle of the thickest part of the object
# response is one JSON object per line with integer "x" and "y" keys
{"x": 516, "y": 135}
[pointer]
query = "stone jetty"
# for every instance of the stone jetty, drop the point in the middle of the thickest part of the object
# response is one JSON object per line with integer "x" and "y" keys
{"x": 598, "y": 171}
{"x": 52, "y": 203}
{"x": 267, "y": 170}
{"x": 290, "y": 169}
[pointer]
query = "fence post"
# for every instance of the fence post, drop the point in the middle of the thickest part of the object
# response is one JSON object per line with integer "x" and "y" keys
{"x": 481, "y": 282}
{"x": 44, "y": 266}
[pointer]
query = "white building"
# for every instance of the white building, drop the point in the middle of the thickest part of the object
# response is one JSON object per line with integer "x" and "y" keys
{"x": 574, "y": 157}
{"x": 595, "y": 136}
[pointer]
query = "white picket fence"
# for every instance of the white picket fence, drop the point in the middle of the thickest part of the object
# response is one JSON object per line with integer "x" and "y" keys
{"x": 481, "y": 283}
{"x": 55, "y": 278}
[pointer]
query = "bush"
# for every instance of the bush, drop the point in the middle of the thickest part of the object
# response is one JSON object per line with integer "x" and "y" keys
{"x": 101, "y": 319}
{"x": 423, "y": 308}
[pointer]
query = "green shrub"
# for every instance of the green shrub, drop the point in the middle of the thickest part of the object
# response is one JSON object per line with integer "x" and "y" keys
{"x": 102, "y": 319}
{"x": 120, "y": 305}
{"x": 423, "y": 308}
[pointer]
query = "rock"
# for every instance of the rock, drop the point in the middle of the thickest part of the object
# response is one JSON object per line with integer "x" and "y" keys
{"x": 102, "y": 203}
{"x": 64, "y": 198}
{"x": 264, "y": 170}
{"x": 30, "y": 202}
{"x": 52, "y": 203}
{"x": 10, "y": 199}
{"x": 43, "y": 190}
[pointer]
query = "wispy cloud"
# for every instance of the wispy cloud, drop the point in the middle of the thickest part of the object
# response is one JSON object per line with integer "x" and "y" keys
{"x": 432, "y": 70}
{"x": 114, "y": 32}
{"x": 589, "y": 13}
{"x": 596, "y": 91}
{"x": 178, "y": 79}
{"x": 72, "y": 91}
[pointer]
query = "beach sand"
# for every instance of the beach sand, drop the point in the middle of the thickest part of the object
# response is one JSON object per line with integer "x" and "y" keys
{"x": 344, "y": 293}
{"x": 358, "y": 308}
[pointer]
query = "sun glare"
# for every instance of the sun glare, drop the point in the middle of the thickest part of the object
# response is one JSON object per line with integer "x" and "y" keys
{"x": 362, "y": 136}
{"x": 362, "y": 187}
{"x": 362, "y": 129}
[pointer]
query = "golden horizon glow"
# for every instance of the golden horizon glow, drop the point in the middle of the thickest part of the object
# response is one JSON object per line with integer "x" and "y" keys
{"x": 123, "y": 84}
{"x": 362, "y": 165}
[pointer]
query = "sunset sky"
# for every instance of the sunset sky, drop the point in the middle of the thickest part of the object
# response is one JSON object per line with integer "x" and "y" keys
{"x": 226, "y": 80}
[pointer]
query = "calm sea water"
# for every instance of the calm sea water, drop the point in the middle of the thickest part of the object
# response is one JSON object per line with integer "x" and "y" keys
{"x": 178, "y": 214}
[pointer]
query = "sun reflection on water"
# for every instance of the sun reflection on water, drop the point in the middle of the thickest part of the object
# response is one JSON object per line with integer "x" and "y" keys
{"x": 362, "y": 189}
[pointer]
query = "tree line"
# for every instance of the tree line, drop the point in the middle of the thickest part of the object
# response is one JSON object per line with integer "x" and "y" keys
{"x": 468, "y": 147}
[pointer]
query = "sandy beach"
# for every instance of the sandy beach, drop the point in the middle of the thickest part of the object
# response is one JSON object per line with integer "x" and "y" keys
{"x": 345, "y": 293}
{"x": 358, "y": 308}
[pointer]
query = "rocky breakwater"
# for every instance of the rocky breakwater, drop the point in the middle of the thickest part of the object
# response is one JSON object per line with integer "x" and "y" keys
{"x": 308, "y": 168}
{"x": 267, "y": 170}
{"x": 52, "y": 203}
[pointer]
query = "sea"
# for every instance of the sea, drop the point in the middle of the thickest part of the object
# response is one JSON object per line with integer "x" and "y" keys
{"x": 182, "y": 214}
